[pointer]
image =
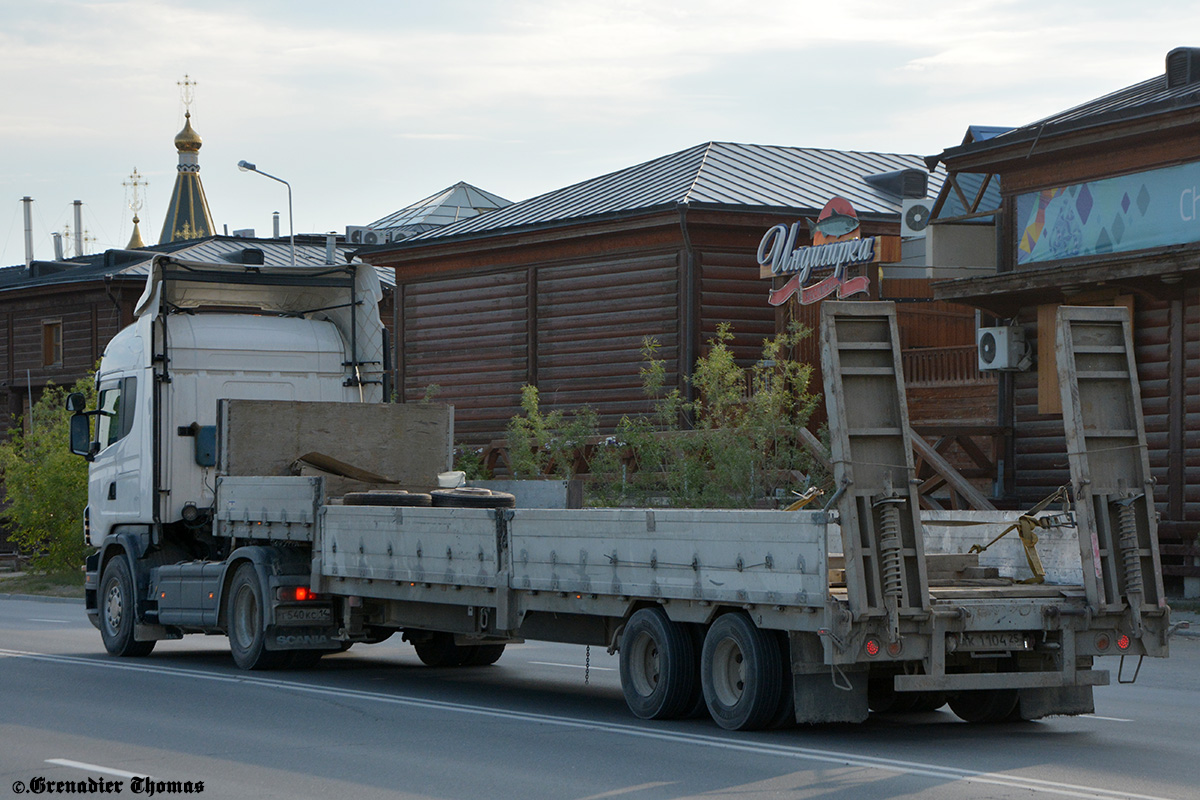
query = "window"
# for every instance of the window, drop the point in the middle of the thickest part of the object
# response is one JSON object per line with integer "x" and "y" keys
{"x": 115, "y": 410}
{"x": 52, "y": 343}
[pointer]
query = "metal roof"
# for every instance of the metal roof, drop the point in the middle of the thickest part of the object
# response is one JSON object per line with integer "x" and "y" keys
{"x": 1148, "y": 98}
{"x": 135, "y": 264}
{"x": 721, "y": 174}
{"x": 460, "y": 201}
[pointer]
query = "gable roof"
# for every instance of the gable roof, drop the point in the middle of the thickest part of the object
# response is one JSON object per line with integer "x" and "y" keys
{"x": 716, "y": 174}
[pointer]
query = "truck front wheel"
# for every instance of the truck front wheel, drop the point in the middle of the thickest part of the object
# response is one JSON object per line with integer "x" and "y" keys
{"x": 658, "y": 666}
{"x": 247, "y": 634}
{"x": 117, "y": 611}
{"x": 742, "y": 673}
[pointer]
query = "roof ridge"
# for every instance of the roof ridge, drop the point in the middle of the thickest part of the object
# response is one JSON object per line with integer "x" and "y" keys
{"x": 699, "y": 171}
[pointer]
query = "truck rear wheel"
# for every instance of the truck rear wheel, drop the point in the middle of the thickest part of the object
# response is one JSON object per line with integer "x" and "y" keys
{"x": 439, "y": 650}
{"x": 117, "y": 611}
{"x": 742, "y": 673}
{"x": 658, "y": 666}
{"x": 247, "y": 634}
{"x": 984, "y": 705}
{"x": 484, "y": 655}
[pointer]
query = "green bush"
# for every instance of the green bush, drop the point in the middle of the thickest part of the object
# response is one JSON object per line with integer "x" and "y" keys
{"x": 45, "y": 485}
{"x": 736, "y": 445}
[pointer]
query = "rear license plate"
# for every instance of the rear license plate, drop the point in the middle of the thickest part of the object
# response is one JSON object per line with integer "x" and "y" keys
{"x": 993, "y": 640}
{"x": 304, "y": 616}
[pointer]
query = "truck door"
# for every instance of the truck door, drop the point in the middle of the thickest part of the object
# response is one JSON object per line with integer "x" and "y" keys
{"x": 115, "y": 490}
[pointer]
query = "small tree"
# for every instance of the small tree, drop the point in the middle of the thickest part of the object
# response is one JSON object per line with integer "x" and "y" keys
{"x": 45, "y": 485}
{"x": 547, "y": 444}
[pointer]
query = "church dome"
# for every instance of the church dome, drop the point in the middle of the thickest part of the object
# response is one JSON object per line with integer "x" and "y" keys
{"x": 187, "y": 140}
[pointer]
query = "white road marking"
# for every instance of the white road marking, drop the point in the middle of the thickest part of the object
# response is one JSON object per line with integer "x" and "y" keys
{"x": 728, "y": 742}
{"x": 120, "y": 773}
{"x": 1106, "y": 719}
{"x": 573, "y": 666}
{"x": 55, "y": 621}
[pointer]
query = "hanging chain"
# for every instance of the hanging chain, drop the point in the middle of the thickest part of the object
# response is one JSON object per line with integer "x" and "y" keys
{"x": 587, "y": 665}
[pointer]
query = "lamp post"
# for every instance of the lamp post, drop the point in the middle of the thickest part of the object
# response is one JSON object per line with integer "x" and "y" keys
{"x": 246, "y": 166}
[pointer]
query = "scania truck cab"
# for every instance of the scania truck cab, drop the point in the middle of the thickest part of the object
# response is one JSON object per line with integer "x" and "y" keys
{"x": 203, "y": 333}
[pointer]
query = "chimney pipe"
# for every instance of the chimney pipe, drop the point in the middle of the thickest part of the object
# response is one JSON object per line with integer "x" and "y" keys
{"x": 58, "y": 246}
{"x": 276, "y": 215}
{"x": 330, "y": 247}
{"x": 28, "y": 203}
{"x": 78, "y": 228}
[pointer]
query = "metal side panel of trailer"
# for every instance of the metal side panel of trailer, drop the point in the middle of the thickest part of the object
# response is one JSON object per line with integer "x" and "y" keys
{"x": 447, "y": 555}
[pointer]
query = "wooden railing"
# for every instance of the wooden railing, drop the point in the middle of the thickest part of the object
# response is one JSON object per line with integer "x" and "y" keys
{"x": 941, "y": 366}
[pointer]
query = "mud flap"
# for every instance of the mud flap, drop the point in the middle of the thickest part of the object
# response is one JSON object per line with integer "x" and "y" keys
{"x": 820, "y": 700}
{"x": 1055, "y": 701}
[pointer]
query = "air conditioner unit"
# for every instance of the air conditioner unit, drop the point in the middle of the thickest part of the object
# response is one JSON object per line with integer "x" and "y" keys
{"x": 364, "y": 236}
{"x": 1002, "y": 348}
{"x": 914, "y": 217}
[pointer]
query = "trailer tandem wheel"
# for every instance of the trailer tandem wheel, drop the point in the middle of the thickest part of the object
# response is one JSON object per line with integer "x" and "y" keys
{"x": 658, "y": 666}
{"x": 742, "y": 673}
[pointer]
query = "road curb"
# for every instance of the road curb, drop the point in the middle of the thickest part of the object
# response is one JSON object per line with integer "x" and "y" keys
{"x": 41, "y": 598}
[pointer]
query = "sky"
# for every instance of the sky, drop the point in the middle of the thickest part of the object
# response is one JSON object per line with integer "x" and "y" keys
{"x": 366, "y": 107}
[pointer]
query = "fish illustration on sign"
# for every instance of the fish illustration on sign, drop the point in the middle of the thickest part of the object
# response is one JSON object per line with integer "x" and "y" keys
{"x": 832, "y": 227}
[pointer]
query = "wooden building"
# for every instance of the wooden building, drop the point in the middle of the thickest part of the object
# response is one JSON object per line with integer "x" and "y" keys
{"x": 1098, "y": 206}
{"x": 559, "y": 291}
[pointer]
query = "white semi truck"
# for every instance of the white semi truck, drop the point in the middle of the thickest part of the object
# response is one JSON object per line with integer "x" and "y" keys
{"x": 246, "y": 479}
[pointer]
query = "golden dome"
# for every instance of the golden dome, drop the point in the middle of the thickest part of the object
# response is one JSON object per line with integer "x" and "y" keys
{"x": 187, "y": 140}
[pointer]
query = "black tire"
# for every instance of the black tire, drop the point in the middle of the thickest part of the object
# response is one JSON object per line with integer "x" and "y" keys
{"x": 387, "y": 497}
{"x": 244, "y": 624}
{"x": 697, "y": 708}
{"x": 658, "y": 666}
{"x": 484, "y": 655}
{"x": 117, "y": 612}
{"x": 929, "y": 701}
{"x": 472, "y": 497}
{"x": 377, "y": 635}
{"x": 785, "y": 713}
{"x": 439, "y": 650}
{"x": 742, "y": 673}
{"x": 882, "y": 697}
{"x": 984, "y": 705}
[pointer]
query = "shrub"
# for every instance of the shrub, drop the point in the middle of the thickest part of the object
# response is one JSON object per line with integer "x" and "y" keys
{"x": 45, "y": 485}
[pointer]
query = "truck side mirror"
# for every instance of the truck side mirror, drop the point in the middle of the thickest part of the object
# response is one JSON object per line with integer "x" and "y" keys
{"x": 76, "y": 403}
{"x": 81, "y": 435}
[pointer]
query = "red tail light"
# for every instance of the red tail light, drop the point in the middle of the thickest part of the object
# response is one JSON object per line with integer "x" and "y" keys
{"x": 296, "y": 593}
{"x": 872, "y": 647}
{"x": 1122, "y": 642}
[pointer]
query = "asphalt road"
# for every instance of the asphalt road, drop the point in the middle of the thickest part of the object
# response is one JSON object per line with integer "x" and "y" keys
{"x": 374, "y": 723}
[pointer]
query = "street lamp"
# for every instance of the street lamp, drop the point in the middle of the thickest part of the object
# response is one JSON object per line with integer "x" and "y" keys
{"x": 246, "y": 166}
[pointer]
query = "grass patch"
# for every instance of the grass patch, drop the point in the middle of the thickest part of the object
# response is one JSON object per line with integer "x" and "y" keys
{"x": 48, "y": 584}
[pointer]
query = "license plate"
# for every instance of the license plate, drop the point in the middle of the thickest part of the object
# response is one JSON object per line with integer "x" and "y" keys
{"x": 303, "y": 616}
{"x": 993, "y": 640}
